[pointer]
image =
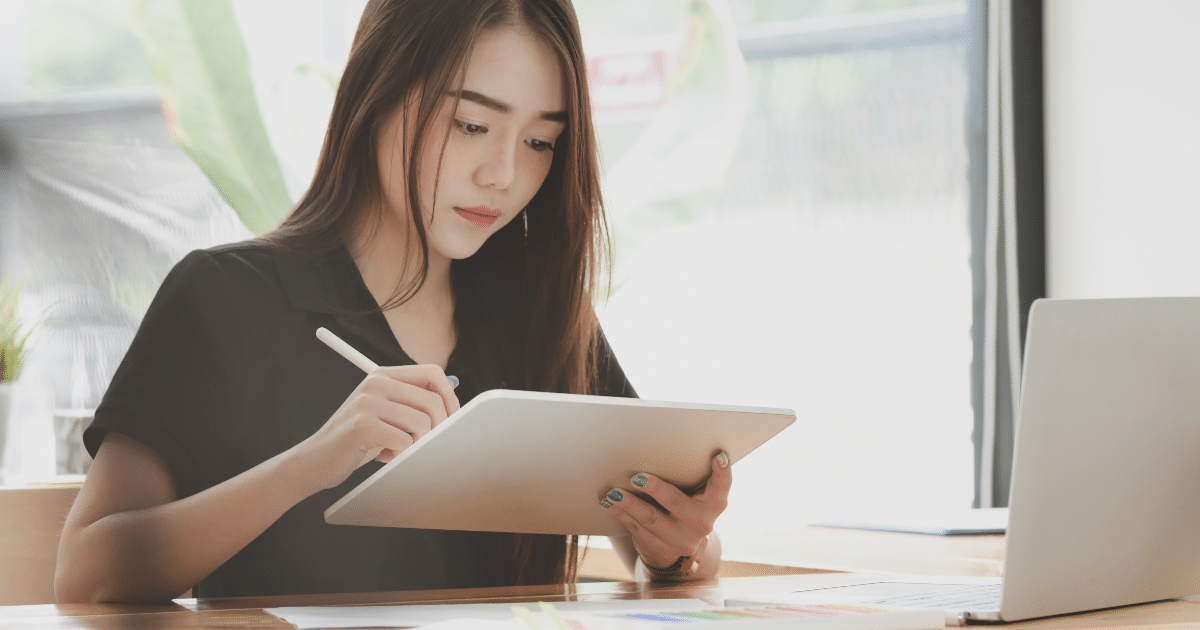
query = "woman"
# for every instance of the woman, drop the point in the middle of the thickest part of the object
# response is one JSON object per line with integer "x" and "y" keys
{"x": 453, "y": 226}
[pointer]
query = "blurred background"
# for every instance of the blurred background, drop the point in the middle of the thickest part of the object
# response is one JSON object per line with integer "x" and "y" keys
{"x": 787, "y": 182}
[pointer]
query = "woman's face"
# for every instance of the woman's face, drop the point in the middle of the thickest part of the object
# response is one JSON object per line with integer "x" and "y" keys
{"x": 498, "y": 151}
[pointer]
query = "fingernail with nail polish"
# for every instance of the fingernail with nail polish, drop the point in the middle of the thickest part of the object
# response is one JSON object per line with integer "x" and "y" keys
{"x": 605, "y": 504}
{"x": 615, "y": 496}
{"x": 722, "y": 460}
{"x": 640, "y": 480}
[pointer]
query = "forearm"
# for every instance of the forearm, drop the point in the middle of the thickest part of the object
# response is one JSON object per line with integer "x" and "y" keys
{"x": 623, "y": 546}
{"x": 158, "y": 553}
{"x": 707, "y": 564}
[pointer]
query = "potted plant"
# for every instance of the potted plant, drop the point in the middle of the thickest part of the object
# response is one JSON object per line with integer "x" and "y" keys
{"x": 12, "y": 351}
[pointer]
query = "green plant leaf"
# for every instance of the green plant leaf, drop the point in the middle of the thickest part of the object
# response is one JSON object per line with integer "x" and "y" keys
{"x": 12, "y": 339}
{"x": 199, "y": 58}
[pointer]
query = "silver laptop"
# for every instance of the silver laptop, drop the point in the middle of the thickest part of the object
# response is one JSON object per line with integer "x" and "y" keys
{"x": 1104, "y": 506}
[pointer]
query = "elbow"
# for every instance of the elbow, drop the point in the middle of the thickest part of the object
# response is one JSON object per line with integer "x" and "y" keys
{"x": 68, "y": 590}
{"x": 71, "y": 589}
{"x": 70, "y": 583}
{"x": 75, "y": 582}
{"x": 64, "y": 594}
{"x": 74, "y": 591}
{"x": 72, "y": 567}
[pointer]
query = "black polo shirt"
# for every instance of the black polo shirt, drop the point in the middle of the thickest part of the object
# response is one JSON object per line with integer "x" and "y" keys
{"x": 226, "y": 372}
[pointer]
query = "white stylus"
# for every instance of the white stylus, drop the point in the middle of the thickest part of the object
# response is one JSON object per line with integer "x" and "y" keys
{"x": 345, "y": 349}
{"x": 354, "y": 356}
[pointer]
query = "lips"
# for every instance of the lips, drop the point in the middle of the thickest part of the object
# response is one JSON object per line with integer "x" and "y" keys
{"x": 481, "y": 216}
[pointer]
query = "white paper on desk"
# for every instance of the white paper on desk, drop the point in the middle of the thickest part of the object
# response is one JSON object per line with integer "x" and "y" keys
{"x": 896, "y": 620}
{"x": 311, "y": 617}
{"x": 589, "y": 622}
{"x": 967, "y": 522}
{"x": 475, "y": 624}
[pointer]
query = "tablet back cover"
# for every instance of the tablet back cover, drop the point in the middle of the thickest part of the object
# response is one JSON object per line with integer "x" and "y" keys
{"x": 532, "y": 462}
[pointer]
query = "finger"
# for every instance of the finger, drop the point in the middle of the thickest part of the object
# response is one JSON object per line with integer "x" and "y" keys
{"x": 443, "y": 387}
{"x": 430, "y": 378}
{"x": 692, "y": 513}
{"x": 404, "y": 417}
{"x": 397, "y": 442}
{"x": 716, "y": 491}
{"x": 372, "y": 454}
{"x": 646, "y": 541}
{"x": 671, "y": 498}
{"x": 428, "y": 402}
{"x": 646, "y": 520}
{"x": 392, "y": 442}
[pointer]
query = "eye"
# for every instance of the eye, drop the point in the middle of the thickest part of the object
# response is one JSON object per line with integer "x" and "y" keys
{"x": 541, "y": 145}
{"x": 469, "y": 128}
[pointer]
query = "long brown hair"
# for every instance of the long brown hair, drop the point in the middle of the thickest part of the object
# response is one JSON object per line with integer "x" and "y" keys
{"x": 407, "y": 54}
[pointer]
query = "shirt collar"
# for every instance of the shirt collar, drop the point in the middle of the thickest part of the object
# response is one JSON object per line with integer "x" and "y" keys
{"x": 327, "y": 283}
{"x": 331, "y": 284}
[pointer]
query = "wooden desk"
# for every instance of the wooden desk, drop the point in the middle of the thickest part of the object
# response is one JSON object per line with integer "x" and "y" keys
{"x": 249, "y": 613}
{"x": 31, "y": 521}
{"x": 830, "y": 553}
{"x": 821, "y": 549}
{"x": 867, "y": 551}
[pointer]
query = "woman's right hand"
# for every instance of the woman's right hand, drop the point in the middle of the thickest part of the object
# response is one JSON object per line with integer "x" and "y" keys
{"x": 131, "y": 537}
{"x": 390, "y": 409}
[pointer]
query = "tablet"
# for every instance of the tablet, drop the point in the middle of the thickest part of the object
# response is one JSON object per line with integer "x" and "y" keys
{"x": 532, "y": 462}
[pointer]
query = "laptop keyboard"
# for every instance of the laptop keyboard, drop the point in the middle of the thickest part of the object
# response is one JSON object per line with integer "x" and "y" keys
{"x": 982, "y": 597}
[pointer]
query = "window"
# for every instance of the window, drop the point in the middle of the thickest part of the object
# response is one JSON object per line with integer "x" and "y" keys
{"x": 822, "y": 266}
{"x": 787, "y": 183}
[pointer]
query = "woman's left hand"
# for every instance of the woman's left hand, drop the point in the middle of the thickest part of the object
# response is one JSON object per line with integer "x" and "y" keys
{"x": 681, "y": 529}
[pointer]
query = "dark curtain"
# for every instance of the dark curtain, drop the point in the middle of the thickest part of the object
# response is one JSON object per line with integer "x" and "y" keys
{"x": 1007, "y": 206}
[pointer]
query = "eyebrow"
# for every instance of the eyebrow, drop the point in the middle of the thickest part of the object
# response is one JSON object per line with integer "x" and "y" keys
{"x": 502, "y": 107}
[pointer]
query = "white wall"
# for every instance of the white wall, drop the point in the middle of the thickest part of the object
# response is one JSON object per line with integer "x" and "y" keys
{"x": 1122, "y": 84}
{"x": 13, "y": 69}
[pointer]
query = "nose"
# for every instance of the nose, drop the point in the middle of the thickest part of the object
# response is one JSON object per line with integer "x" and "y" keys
{"x": 498, "y": 169}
